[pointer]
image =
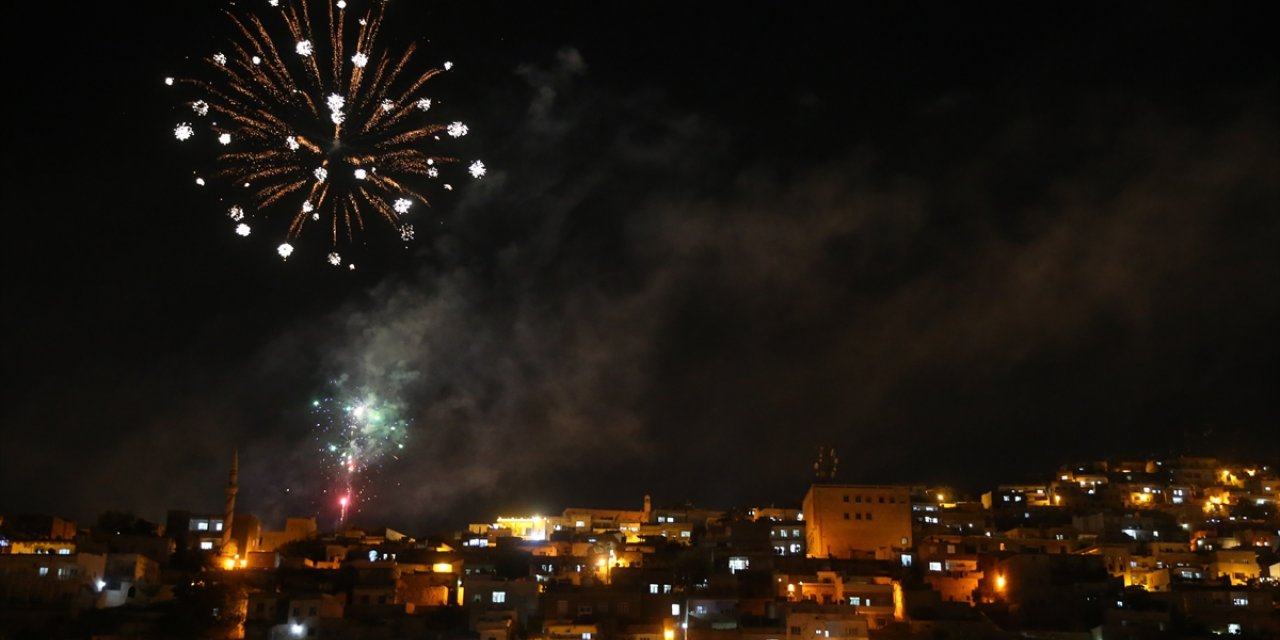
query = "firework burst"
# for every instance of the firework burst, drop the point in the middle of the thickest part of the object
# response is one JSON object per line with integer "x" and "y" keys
{"x": 355, "y": 436}
{"x": 319, "y": 121}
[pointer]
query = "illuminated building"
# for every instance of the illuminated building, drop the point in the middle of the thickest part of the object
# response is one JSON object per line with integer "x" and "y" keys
{"x": 193, "y": 531}
{"x": 74, "y": 580}
{"x": 847, "y": 520}
{"x": 294, "y": 529}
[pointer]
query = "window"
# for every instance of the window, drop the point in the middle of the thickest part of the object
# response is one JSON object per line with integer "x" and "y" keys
{"x": 700, "y": 610}
{"x": 857, "y": 516}
{"x": 499, "y": 597}
{"x": 44, "y": 571}
{"x": 202, "y": 525}
{"x": 666, "y": 588}
{"x": 206, "y": 544}
{"x": 1240, "y": 602}
{"x": 846, "y": 498}
{"x": 935, "y": 566}
{"x": 738, "y": 563}
{"x": 783, "y": 533}
{"x": 795, "y": 547}
{"x": 579, "y": 524}
{"x": 653, "y": 587}
{"x": 855, "y": 601}
{"x": 675, "y": 609}
{"x": 868, "y": 515}
{"x": 906, "y": 560}
{"x": 857, "y": 498}
{"x": 846, "y": 516}
{"x": 881, "y": 499}
{"x": 217, "y": 526}
{"x": 795, "y": 533}
{"x": 684, "y": 534}
{"x": 584, "y": 610}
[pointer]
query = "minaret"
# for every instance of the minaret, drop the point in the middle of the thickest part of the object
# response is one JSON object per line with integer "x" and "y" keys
{"x": 233, "y": 487}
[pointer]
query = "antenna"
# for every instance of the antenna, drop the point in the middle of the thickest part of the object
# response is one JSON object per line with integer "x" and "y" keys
{"x": 825, "y": 467}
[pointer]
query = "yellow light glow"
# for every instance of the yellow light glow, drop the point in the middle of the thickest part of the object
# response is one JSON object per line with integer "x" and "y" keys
{"x": 442, "y": 567}
{"x": 668, "y": 634}
{"x": 941, "y": 497}
{"x": 1000, "y": 582}
{"x": 791, "y": 588}
{"x": 244, "y": 563}
{"x": 229, "y": 563}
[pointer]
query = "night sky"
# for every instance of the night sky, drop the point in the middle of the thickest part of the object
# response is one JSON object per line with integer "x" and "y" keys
{"x": 961, "y": 243}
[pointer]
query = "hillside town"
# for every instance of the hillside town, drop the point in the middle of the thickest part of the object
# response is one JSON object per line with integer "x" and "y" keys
{"x": 1107, "y": 550}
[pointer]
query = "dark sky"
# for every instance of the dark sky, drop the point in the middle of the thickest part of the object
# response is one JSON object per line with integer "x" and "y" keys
{"x": 960, "y": 243}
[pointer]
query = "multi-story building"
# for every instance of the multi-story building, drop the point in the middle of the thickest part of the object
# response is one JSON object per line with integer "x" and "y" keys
{"x": 844, "y": 521}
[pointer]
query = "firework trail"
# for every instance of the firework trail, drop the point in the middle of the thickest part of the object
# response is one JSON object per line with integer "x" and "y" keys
{"x": 316, "y": 120}
{"x": 355, "y": 436}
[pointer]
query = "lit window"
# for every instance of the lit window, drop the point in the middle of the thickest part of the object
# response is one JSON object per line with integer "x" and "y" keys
{"x": 935, "y": 566}
{"x": 738, "y": 563}
{"x": 855, "y": 601}
{"x": 579, "y": 524}
{"x": 64, "y": 551}
{"x": 906, "y": 560}
{"x": 653, "y": 587}
{"x": 795, "y": 533}
{"x": 206, "y": 544}
{"x": 675, "y": 609}
{"x": 783, "y": 533}
{"x": 499, "y": 597}
{"x": 217, "y": 526}
{"x": 666, "y": 588}
{"x": 202, "y": 526}
{"x": 684, "y": 534}
{"x": 44, "y": 571}
{"x": 1240, "y": 602}
{"x": 795, "y": 547}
